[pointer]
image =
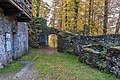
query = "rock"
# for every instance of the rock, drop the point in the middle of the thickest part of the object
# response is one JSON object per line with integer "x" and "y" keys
{"x": 114, "y": 60}
{"x": 1, "y": 66}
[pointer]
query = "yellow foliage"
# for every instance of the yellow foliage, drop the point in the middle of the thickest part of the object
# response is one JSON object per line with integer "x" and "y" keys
{"x": 65, "y": 17}
{"x": 68, "y": 13}
{"x": 52, "y": 41}
{"x": 43, "y": 8}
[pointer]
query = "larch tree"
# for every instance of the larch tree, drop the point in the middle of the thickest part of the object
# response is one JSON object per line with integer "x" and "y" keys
{"x": 118, "y": 25}
{"x": 55, "y": 20}
{"x": 114, "y": 16}
{"x": 76, "y": 13}
{"x": 105, "y": 26}
{"x": 40, "y": 8}
{"x": 72, "y": 15}
{"x": 90, "y": 10}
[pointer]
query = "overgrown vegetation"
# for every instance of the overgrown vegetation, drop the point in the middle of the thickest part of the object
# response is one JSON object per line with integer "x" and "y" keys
{"x": 12, "y": 67}
{"x": 36, "y": 26}
{"x": 64, "y": 67}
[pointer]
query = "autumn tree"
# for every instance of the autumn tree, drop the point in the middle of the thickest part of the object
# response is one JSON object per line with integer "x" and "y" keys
{"x": 40, "y": 9}
{"x": 89, "y": 18}
{"x": 114, "y": 15}
{"x": 118, "y": 25}
{"x": 105, "y": 17}
{"x": 55, "y": 20}
{"x": 72, "y": 15}
{"x": 76, "y": 13}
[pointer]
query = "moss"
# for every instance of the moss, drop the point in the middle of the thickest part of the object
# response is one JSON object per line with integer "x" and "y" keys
{"x": 89, "y": 45}
{"x": 91, "y": 50}
{"x": 116, "y": 47}
{"x": 12, "y": 67}
{"x": 64, "y": 67}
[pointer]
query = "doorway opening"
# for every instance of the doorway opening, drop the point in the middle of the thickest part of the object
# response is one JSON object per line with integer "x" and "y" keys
{"x": 52, "y": 40}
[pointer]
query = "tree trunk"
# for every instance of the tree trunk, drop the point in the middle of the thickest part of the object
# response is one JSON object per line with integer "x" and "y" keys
{"x": 89, "y": 19}
{"x": 105, "y": 17}
{"x": 66, "y": 16}
{"x": 118, "y": 25}
{"x": 38, "y": 8}
{"x": 76, "y": 7}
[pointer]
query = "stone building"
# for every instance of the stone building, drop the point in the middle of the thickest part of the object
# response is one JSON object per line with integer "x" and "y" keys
{"x": 14, "y": 15}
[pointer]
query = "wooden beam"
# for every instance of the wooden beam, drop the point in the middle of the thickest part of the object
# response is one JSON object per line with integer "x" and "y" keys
{"x": 19, "y": 7}
{"x": 11, "y": 13}
{"x": 23, "y": 19}
{"x": 12, "y": 10}
{"x": 4, "y": 4}
{"x": 2, "y": 0}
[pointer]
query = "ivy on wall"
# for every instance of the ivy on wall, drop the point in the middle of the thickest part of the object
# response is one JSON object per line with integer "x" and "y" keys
{"x": 37, "y": 25}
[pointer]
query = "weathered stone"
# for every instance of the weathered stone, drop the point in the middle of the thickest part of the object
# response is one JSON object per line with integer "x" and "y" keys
{"x": 16, "y": 41}
{"x": 113, "y": 58}
{"x": 93, "y": 50}
{"x": 1, "y": 65}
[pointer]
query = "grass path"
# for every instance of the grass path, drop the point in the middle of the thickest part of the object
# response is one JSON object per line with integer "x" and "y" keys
{"x": 59, "y": 66}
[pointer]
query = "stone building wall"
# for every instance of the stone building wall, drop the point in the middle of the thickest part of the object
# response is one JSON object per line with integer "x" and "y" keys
{"x": 13, "y": 38}
{"x": 20, "y": 40}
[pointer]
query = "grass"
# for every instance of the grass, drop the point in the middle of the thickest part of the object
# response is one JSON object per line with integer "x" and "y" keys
{"x": 64, "y": 67}
{"x": 12, "y": 67}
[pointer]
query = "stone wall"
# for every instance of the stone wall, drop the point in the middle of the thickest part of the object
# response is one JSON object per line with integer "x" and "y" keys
{"x": 91, "y": 50}
{"x": 113, "y": 59}
{"x": 18, "y": 38}
{"x": 74, "y": 43}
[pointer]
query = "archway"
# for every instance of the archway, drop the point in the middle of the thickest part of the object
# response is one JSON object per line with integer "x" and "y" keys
{"x": 49, "y": 38}
{"x": 52, "y": 40}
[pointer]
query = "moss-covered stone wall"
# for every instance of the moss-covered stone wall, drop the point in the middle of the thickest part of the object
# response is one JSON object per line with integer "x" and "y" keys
{"x": 92, "y": 50}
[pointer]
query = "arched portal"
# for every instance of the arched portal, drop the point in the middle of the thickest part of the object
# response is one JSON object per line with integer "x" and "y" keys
{"x": 52, "y": 40}
{"x": 49, "y": 38}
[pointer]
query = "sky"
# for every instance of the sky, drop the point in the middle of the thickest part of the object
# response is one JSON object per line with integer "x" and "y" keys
{"x": 48, "y": 1}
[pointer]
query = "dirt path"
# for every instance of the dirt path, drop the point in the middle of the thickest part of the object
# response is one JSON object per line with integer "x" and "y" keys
{"x": 7, "y": 76}
{"x": 27, "y": 73}
{"x": 49, "y": 50}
